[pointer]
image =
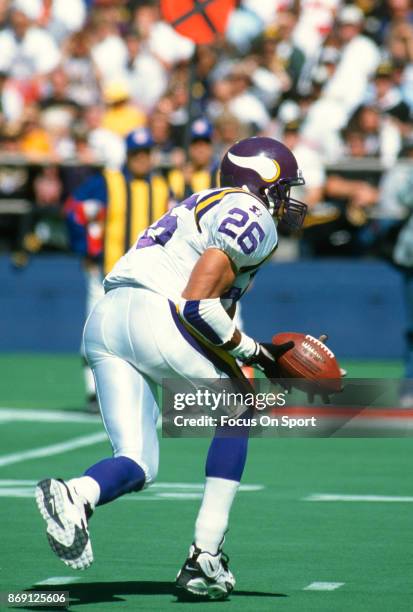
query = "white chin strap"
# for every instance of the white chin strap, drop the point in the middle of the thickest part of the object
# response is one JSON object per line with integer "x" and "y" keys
{"x": 271, "y": 203}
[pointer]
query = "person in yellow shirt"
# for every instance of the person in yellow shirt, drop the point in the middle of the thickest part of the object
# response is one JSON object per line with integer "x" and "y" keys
{"x": 121, "y": 115}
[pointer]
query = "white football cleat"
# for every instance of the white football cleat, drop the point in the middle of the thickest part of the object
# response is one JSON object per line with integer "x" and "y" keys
{"x": 205, "y": 575}
{"x": 66, "y": 514}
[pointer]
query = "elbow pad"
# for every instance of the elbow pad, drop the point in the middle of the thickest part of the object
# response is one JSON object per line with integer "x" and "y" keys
{"x": 208, "y": 318}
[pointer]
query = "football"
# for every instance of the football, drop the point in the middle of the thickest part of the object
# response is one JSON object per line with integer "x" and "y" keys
{"x": 310, "y": 359}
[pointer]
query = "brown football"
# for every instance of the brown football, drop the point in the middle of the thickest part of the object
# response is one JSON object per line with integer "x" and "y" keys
{"x": 310, "y": 359}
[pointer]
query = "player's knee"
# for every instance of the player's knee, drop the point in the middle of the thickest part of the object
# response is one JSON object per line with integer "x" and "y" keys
{"x": 148, "y": 464}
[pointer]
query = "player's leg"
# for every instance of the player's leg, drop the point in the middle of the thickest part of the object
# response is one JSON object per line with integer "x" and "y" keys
{"x": 129, "y": 413}
{"x": 225, "y": 464}
{"x": 205, "y": 572}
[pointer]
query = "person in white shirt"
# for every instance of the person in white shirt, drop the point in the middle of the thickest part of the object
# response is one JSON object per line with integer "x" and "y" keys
{"x": 27, "y": 51}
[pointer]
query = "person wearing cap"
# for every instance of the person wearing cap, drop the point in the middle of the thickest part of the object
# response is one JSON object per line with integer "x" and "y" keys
{"x": 201, "y": 170}
{"x": 121, "y": 116}
{"x": 388, "y": 96}
{"x": 106, "y": 213}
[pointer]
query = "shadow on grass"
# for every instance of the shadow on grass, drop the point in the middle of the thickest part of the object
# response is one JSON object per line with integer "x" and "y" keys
{"x": 107, "y": 592}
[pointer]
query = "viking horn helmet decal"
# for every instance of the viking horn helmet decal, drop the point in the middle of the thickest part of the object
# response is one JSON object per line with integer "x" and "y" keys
{"x": 268, "y": 169}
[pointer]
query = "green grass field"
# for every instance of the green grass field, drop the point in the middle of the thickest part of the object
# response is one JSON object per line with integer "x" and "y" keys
{"x": 279, "y": 542}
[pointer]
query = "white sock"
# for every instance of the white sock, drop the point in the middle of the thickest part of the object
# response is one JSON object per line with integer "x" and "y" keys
{"x": 87, "y": 487}
{"x": 212, "y": 521}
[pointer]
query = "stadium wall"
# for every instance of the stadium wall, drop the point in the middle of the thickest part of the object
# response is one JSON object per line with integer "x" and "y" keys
{"x": 358, "y": 303}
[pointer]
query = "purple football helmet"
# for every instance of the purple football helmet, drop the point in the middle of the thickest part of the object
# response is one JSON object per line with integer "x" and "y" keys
{"x": 268, "y": 169}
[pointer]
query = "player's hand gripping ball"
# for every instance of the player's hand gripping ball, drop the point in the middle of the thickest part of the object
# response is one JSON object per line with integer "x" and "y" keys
{"x": 310, "y": 359}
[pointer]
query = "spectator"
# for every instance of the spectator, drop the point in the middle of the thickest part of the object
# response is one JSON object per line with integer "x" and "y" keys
{"x": 16, "y": 184}
{"x": 379, "y": 132}
{"x": 121, "y": 114}
{"x": 27, "y": 51}
{"x": 315, "y": 23}
{"x": 35, "y": 142}
{"x": 228, "y": 129}
{"x": 55, "y": 17}
{"x": 11, "y": 101}
{"x": 57, "y": 96}
{"x": 82, "y": 86}
{"x": 311, "y": 164}
{"x": 388, "y": 97}
{"x": 148, "y": 76}
{"x": 394, "y": 185}
{"x": 46, "y": 231}
{"x": 165, "y": 152}
{"x": 108, "y": 51}
{"x": 201, "y": 170}
{"x": 280, "y": 55}
{"x": 359, "y": 57}
{"x": 108, "y": 148}
{"x": 243, "y": 103}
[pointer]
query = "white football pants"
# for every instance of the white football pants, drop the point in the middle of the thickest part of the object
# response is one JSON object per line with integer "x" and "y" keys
{"x": 132, "y": 342}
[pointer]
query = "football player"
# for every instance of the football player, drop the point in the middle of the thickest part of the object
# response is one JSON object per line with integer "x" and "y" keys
{"x": 167, "y": 313}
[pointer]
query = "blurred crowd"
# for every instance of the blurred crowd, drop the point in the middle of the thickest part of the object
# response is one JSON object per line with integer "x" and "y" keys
{"x": 332, "y": 79}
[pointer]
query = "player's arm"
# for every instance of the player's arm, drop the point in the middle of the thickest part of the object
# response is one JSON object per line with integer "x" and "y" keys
{"x": 212, "y": 275}
{"x": 201, "y": 308}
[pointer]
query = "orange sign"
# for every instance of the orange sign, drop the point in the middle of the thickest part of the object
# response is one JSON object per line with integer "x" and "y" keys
{"x": 199, "y": 20}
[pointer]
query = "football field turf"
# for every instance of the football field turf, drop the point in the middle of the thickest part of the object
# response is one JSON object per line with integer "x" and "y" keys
{"x": 289, "y": 550}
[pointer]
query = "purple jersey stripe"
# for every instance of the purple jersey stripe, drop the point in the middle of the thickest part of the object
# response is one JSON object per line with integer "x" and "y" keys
{"x": 192, "y": 315}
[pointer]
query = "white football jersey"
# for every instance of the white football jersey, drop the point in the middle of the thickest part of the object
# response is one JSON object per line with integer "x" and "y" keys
{"x": 165, "y": 254}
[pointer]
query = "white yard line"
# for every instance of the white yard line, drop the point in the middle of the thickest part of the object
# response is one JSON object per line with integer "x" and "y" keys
{"x": 53, "y": 449}
{"x": 58, "y": 580}
{"x": 159, "y": 491}
{"x": 51, "y": 416}
{"x": 338, "y": 497}
{"x": 323, "y": 586}
{"x": 47, "y": 416}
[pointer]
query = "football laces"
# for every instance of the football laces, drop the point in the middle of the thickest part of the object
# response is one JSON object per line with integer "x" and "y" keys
{"x": 320, "y": 344}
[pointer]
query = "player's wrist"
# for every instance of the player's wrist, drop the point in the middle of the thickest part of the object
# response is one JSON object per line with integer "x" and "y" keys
{"x": 245, "y": 349}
